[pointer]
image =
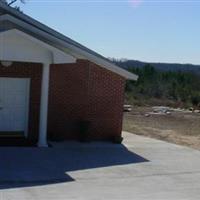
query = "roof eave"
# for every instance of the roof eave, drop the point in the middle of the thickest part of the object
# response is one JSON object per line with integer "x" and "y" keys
{"x": 96, "y": 58}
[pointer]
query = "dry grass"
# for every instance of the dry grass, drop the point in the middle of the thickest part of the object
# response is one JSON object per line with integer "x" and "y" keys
{"x": 179, "y": 127}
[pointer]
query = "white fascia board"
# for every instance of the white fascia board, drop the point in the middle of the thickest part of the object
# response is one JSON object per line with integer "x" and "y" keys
{"x": 71, "y": 49}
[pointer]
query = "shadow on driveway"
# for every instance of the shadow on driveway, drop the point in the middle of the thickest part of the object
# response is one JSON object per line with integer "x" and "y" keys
{"x": 22, "y": 167}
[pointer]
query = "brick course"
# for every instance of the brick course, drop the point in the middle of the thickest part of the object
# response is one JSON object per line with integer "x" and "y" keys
{"x": 85, "y": 91}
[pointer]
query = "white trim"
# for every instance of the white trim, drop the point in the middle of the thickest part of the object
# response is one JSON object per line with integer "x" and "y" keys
{"x": 72, "y": 48}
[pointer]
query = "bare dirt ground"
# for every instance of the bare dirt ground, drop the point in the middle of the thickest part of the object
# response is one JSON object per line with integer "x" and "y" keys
{"x": 177, "y": 127}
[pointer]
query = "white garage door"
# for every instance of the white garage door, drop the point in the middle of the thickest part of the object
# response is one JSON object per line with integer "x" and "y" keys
{"x": 14, "y": 103}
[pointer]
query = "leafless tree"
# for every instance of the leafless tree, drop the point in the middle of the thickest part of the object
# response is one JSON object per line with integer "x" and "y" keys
{"x": 11, "y": 2}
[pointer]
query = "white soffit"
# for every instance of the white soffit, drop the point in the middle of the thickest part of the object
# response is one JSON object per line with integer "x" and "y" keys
{"x": 19, "y": 46}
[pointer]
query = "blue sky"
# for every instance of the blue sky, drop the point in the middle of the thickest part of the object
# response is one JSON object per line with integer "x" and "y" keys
{"x": 154, "y": 31}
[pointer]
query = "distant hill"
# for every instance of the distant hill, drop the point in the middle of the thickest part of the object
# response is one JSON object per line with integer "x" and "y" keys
{"x": 127, "y": 64}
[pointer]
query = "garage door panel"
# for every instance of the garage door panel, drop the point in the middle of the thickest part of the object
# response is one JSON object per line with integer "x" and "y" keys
{"x": 14, "y": 84}
{"x": 19, "y": 113}
{"x": 6, "y": 120}
{"x": 16, "y": 99}
{"x": 14, "y": 95}
{"x": 18, "y": 125}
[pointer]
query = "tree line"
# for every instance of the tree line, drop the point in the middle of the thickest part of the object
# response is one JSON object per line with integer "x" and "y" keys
{"x": 176, "y": 86}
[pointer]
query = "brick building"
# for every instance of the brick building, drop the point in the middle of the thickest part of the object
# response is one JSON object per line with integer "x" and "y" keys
{"x": 51, "y": 85}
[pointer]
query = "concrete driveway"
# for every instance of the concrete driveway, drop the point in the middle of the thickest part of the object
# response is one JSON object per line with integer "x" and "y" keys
{"x": 141, "y": 168}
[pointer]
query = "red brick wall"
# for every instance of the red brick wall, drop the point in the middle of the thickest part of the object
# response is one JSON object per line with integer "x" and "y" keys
{"x": 33, "y": 71}
{"x": 85, "y": 91}
{"x": 80, "y": 91}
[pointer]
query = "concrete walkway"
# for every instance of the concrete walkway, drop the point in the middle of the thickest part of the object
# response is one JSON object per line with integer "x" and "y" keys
{"x": 141, "y": 168}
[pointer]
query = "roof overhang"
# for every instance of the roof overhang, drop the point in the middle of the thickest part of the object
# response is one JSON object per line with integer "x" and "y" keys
{"x": 19, "y": 46}
{"x": 61, "y": 42}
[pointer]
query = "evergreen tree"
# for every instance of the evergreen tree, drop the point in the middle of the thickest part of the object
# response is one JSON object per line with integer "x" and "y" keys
{"x": 178, "y": 86}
